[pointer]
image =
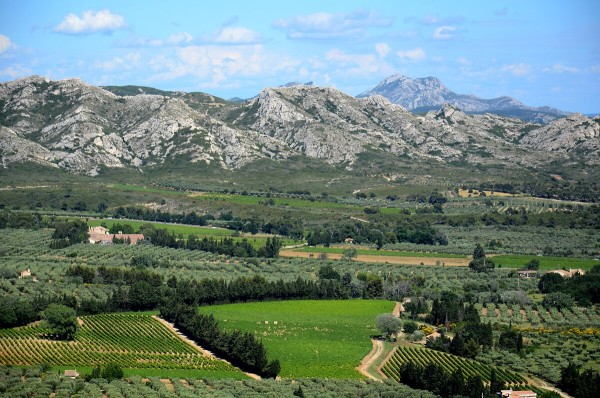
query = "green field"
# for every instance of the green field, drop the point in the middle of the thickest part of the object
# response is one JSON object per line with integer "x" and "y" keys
{"x": 311, "y": 338}
{"x": 374, "y": 252}
{"x": 256, "y": 241}
{"x": 184, "y": 230}
{"x": 135, "y": 341}
{"x": 546, "y": 262}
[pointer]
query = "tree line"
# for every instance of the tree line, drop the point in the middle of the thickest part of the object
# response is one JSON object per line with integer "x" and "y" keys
{"x": 378, "y": 234}
{"x": 242, "y": 349}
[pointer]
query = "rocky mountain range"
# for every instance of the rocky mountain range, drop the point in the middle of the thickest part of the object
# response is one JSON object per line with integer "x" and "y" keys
{"x": 425, "y": 94}
{"x": 81, "y": 128}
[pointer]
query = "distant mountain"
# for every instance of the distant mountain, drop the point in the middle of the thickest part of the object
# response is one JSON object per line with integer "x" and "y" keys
{"x": 429, "y": 93}
{"x": 71, "y": 125}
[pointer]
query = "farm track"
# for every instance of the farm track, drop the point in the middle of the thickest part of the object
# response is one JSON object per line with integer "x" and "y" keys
{"x": 451, "y": 262}
{"x": 370, "y": 358}
{"x": 204, "y": 351}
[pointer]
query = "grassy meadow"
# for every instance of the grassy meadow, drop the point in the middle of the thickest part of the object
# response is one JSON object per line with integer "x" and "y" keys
{"x": 310, "y": 338}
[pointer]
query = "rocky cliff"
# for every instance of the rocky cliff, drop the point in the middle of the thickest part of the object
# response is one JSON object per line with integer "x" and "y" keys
{"x": 81, "y": 128}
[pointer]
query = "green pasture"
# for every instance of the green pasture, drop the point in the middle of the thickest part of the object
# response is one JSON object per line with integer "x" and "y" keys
{"x": 546, "y": 262}
{"x": 310, "y": 338}
{"x": 178, "y": 229}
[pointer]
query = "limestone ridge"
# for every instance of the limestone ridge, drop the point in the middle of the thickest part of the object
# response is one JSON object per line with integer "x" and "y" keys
{"x": 74, "y": 126}
{"x": 423, "y": 94}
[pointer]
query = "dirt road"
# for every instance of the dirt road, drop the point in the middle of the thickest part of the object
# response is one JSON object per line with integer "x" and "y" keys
{"x": 370, "y": 358}
{"x": 204, "y": 352}
{"x": 447, "y": 261}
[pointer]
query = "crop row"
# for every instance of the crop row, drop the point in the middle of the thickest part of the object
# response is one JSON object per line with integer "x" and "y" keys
{"x": 449, "y": 362}
{"x": 537, "y": 315}
{"x": 130, "y": 340}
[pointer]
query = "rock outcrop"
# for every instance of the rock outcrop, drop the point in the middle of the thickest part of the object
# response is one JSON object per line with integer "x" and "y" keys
{"x": 81, "y": 128}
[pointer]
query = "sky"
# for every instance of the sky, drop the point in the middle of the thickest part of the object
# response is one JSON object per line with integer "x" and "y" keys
{"x": 540, "y": 52}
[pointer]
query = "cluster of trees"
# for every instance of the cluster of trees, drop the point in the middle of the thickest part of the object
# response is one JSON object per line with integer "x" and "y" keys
{"x": 562, "y": 292}
{"x": 471, "y": 334}
{"x": 293, "y": 229}
{"x": 61, "y": 320}
{"x": 480, "y": 262}
{"x": 108, "y": 372}
{"x": 241, "y": 348}
{"x": 68, "y": 233}
{"x": 147, "y": 288}
{"x": 436, "y": 379}
{"x": 11, "y": 219}
{"x": 379, "y": 234}
{"x": 225, "y": 246}
{"x": 137, "y": 213}
{"x": 580, "y": 383}
{"x": 16, "y": 312}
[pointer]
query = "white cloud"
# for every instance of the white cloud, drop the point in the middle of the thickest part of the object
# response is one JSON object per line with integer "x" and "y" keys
{"x": 444, "y": 32}
{"x": 176, "y": 39}
{"x": 237, "y": 35}
{"x": 436, "y": 20}
{"x": 180, "y": 38}
{"x": 416, "y": 54}
{"x": 322, "y": 25}
{"x": 346, "y": 64}
{"x": 463, "y": 61}
{"x": 560, "y": 68}
{"x": 16, "y": 71}
{"x": 517, "y": 69}
{"x": 382, "y": 49}
{"x": 220, "y": 65}
{"x": 91, "y": 22}
{"x": 5, "y": 43}
{"x": 126, "y": 62}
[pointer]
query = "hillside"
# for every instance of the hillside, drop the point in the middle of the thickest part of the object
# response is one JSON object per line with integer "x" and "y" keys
{"x": 85, "y": 129}
{"x": 427, "y": 93}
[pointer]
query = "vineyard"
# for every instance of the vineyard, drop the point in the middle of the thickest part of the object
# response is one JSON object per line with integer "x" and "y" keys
{"x": 130, "y": 340}
{"x": 424, "y": 356}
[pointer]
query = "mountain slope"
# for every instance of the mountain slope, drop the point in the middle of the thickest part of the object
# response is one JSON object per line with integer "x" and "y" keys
{"x": 84, "y": 129}
{"x": 424, "y": 94}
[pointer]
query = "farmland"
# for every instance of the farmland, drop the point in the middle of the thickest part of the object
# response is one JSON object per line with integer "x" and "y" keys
{"x": 133, "y": 341}
{"x": 450, "y": 363}
{"x": 310, "y": 338}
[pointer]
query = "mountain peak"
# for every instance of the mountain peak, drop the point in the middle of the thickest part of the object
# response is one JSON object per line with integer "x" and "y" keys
{"x": 429, "y": 93}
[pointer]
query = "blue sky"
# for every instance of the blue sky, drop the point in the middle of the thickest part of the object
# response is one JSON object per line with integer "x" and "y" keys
{"x": 540, "y": 52}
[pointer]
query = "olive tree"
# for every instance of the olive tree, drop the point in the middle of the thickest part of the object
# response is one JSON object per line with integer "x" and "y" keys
{"x": 388, "y": 325}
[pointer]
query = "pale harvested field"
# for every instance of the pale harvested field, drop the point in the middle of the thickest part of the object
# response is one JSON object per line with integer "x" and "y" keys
{"x": 463, "y": 193}
{"x": 450, "y": 262}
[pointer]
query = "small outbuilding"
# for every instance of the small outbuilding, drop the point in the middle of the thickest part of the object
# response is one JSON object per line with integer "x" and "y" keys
{"x": 25, "y": 273}
{"x": 71, "y": 374}
{"x": 517, "y": 394}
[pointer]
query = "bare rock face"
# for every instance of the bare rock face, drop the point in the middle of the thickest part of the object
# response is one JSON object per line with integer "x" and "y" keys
{"x": 81, "y": 128}
{"x": 575, "y": 134}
